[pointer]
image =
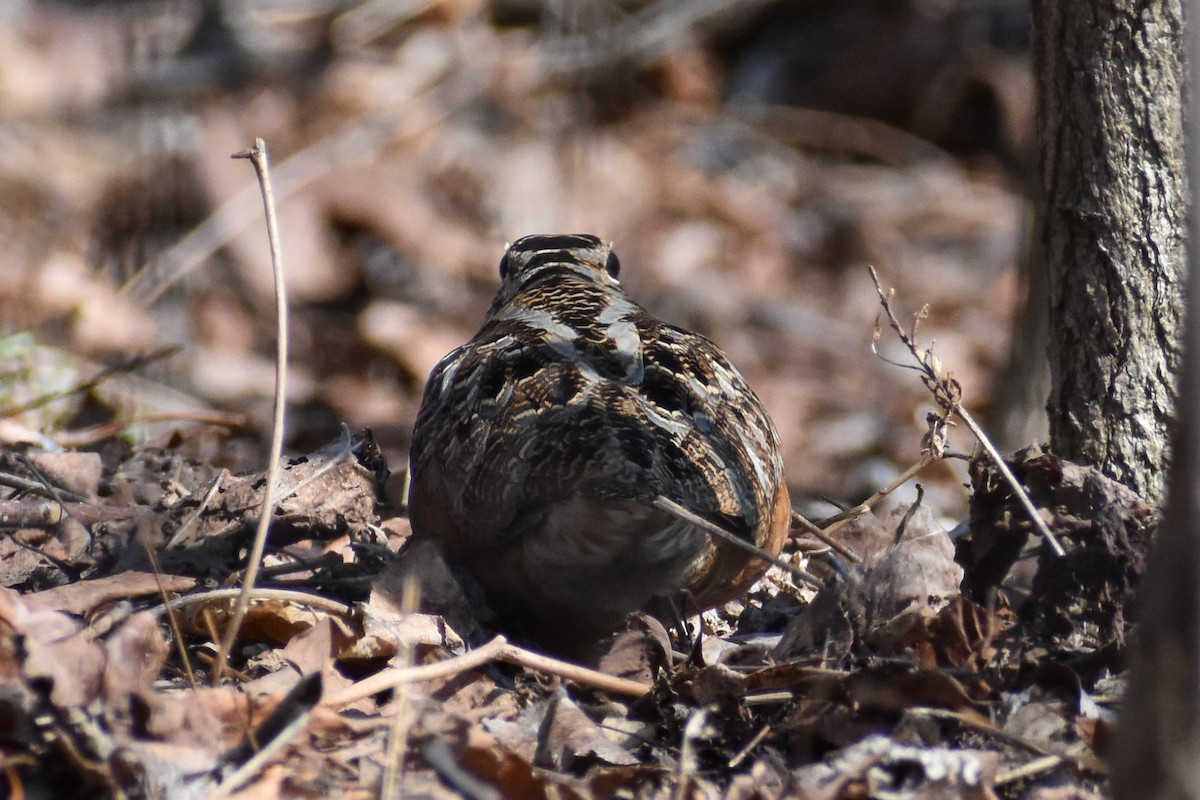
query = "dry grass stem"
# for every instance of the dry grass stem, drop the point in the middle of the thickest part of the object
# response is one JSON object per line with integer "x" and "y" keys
{"x": 266, "y": 755}
{"x": 749, "y": 746}
{"x": 393, "y": 772}
{"x": 194, "y": 517}
{"x": 258, "y": 157}
{"x": 143, "y": 532}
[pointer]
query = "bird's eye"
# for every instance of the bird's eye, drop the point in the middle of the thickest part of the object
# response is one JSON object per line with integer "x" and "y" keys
{"x": 504, "y": 265}
{"x": 612, "y": 264}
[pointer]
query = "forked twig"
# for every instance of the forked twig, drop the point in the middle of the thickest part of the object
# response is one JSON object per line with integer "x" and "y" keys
{"x": 947, "y": 393}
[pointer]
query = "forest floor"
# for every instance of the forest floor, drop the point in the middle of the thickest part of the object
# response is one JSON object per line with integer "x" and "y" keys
{"x": 949, "y": 652}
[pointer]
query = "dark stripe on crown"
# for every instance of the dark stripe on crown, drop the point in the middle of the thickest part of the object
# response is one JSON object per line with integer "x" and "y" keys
{"x": 542, "y": 242}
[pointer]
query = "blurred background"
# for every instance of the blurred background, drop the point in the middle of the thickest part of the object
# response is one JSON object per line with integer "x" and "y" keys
{"x": 747, "y": 158}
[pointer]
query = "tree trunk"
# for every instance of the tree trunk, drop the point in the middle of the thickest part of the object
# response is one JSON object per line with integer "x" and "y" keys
{"x": 1110, "y": 122}
{"x": 1158, "y": 742}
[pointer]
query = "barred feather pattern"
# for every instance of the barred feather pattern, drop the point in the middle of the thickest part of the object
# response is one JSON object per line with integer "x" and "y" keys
{"x": 542, "y": 443}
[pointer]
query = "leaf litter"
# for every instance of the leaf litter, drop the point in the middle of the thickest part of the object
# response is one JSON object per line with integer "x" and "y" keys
{"x": 887, "y": 681}
{"x": 934, "y": 663}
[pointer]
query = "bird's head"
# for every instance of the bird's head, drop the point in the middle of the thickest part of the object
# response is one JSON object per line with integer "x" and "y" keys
{"x": 578, "y": 255}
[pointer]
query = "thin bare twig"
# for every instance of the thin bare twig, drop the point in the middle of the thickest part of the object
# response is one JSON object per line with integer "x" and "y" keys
{"x": 284, "y": 595}
{"x": 258, "y": 157}
{"x": 263, "y": 757}
{"x": 666, "y": 504}
{"x": 129, "y": 365}
{"x": 896, "y": 483}
{"x": 143, "y": 533}
{"x": 909, "y": 513}
{"x": 393, "y": 771}
{"x": 948, "y": 395}
{"x": 389, "y": 679}
{"x": 835, "y": 523}
{"x": 271, "y": 736}
{"x": 40, "y": 487}
{"x": 194, "y": 517}
{"x": 820, "y": 533}
{"x": 749, "y": 746}
{"x": 1029, "y": 770}
{"x": 497, "y": 649}
{"x": 1022, "y": 495}
{"x": 583, "y": 676}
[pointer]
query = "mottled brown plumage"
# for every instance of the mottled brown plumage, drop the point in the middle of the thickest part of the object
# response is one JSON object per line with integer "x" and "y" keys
{"x": 542, "y": 443}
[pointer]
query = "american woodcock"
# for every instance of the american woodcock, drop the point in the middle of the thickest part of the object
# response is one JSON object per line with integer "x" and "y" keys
{"x": 543, "y": 443}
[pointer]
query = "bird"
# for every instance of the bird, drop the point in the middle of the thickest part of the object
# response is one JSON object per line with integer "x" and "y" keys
{"x": 544, "y": 448}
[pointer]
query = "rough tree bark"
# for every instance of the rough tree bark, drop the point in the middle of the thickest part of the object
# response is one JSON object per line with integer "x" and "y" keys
{"x": 1110, "y": 77}
{"x": 1158, "y": 742}
{"x": 1110, "y": 123}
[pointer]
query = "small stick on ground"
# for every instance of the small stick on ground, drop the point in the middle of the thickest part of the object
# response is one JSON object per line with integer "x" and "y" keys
{"x": 194, "y": 517}
{"x": 583, "y": 676}
{"x": 1029, "y": 770}
{"x": 283, "y": 595}
{"x": 258, "y": 157}
{"x": 749, "y": 746}
{"x": 497, "y": 649}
